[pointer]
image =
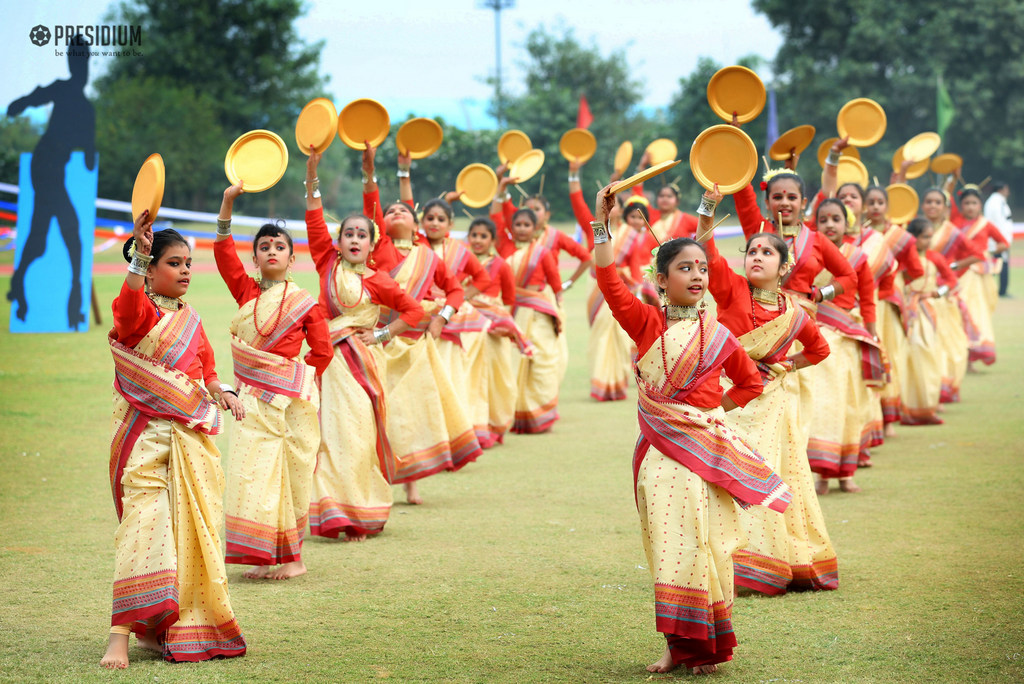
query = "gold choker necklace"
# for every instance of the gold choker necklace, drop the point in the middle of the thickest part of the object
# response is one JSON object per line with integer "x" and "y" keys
{"x": 679, "y": 313}
{"x": 267, "y": 283}
{"x": 789, "y": 231}
{"x": 355, "y": 268}
{"x": 169, "y": 303}
{"x": 523, "y": 243}
{"x": 403, "y": 244}
{"x": 764, "y": 296}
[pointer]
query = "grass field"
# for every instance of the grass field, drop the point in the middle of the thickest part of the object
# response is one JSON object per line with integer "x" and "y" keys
{"x": 526, "y": 566}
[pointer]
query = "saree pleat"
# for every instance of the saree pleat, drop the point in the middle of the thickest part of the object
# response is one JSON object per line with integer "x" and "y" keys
{"x": 609, "y": 351}
{"x": 538, "y": 376}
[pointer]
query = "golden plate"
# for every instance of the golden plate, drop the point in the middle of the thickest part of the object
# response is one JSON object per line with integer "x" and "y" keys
{"x": 623, "y": 156}
{"x": 148, "y": 192}
{"x": 736, "y": 89}
{"x": 478, "y": 183}
{"x": 649, "y": 172}
{"x": 578, "y": 144}
{"x": 915, "y": 171}
{"x": 795, "y": 139}
{"x": 363, "y": 120}
{"x": 852, "y": 171}
{"x": 725, "y": 155}
{"x": 661, "y": 150}
{"x": 922, "y": 146}
{"x": 258, "y": 159}
{"x": 419, "y": 138}
{"x": 526, "y": 166}
{"x": 823, "y": 149}
{"x": 862, "y": 121}
{"x": 947, "y": 163}
{"x": 512, "y": 145}
{"x": 316, "y": 125}
{"x": 903, "y": 203}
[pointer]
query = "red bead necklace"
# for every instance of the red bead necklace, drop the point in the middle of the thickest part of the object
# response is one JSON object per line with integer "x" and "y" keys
{"x": 277, "y": 316}
{"x": 700, "y": 356}
{"x": 780, "y": 302}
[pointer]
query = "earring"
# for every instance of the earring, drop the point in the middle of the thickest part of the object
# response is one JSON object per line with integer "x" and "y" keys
{"x": 288, "y": 277}
{"x": 258, "y": 277}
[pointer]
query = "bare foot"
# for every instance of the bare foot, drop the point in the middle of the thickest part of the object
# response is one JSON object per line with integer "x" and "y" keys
{"x": 150, "y": 642}
{"x": 288, "y": 570}
{"x": 848, "y": 485}
{"x": 257, "y": 572}
{"x": 971, "y": 369}
{"x": 890, "y": 430}
{"x": 412, "y": 493}
{"x": 116, "y": 657}
{"x": 821, "y": 486}
{"x": 664, "y": 663}
{"x": 865, "y": 462}
{"x": 354, "y": 537}
{"x": 705, "y": 669}
{"x": 941, "y": 408}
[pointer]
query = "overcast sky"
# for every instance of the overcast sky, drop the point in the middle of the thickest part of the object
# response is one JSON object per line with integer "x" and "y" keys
{"x": 430, "y": 58}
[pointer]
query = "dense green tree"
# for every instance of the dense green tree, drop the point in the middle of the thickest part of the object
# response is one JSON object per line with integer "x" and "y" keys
{"x": 836, "y": 50}
{"x": 210, "y": 72}
{"x": 17, "y": 134}
{"x": 558, "y": 70}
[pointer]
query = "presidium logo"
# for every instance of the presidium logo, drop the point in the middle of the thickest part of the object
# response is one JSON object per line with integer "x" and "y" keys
{"x": 119, "y": 35}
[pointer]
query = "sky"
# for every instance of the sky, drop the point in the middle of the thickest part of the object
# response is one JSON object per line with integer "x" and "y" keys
{"x": 431, "y": 58}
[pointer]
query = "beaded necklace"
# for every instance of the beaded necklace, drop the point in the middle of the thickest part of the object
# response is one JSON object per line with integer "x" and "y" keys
{"x": 700, "y": 356}
{"x": 759, "y": 296}
{"x": 277, "y": 316}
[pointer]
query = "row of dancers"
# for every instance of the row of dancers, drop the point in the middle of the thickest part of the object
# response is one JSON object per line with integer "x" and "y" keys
{"x": 416, "y": 364}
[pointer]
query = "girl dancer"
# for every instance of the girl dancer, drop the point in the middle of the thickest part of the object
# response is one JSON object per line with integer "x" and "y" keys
{"x": 690, "y": 470}
{"x": 170, "y": 586}
{"x": 790, "y": 550}
{"x": 355, "y": 464}
{"x": 273, "y": 451}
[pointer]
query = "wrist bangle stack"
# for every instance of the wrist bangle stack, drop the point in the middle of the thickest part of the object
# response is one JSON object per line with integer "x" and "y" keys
{"x": 223, "y": 226}
{"x": 574, "y": 178}
{"x": 140, "y": 263}
{"x": 707, "y": 206}
{"x": 828, "y": 293}
{"x": 312, "y": 187}
{"x": 507, "y": 197}
{"x": 382, "y": 335}
{"x": 943, "y": 290}
{"x": 600, "y": 232}
{"x": 447, "y": 312}
{"x": 833, "y": 158}
{"x": 366, "y": 179}
{"x": 402, "y": 173}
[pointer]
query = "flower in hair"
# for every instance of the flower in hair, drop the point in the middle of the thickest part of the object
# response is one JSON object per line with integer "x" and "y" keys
{"x": 772, "y": 173}
{"x": 652, "y": 267}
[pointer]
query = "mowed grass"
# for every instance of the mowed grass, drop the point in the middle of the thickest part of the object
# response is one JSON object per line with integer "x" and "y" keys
{"x": 526, "y": 566}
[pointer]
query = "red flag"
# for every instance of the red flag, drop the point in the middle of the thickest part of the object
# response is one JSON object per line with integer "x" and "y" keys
{"x": 584, "y": 118}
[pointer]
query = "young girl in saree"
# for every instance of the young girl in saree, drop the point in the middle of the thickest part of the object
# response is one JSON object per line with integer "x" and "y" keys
{"x": 609, "y": 349}
{"x": 538, "y": 314}
{"x": 351, "y": 491}
{"x": 931, "y": 318}
{"x": 948, "y": 240}
{"x": 790, "y": 550}
{"x": 170, "y": 585}
{"x": 891, "y": 251}
{"x": 273, "y": 451}
{"x": 495, "y": 303}
{"x": 690, "y": 470}
{"x": 428, "y": 426}
{"x": 978, "y": 287}
{"x": 842, "y": 428}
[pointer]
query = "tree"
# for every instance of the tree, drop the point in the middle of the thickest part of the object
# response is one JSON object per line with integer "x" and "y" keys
{"x": 559, "y": 69}
{"x": 837, "y": 50}
{"x": 17, "y": 135}
{"x": 215, "y": 70}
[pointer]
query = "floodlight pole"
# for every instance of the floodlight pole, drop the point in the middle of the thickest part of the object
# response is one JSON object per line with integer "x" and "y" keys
{"x": 497, "y": 6}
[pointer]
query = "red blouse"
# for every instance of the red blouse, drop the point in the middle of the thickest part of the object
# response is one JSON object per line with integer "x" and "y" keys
{"x": 946, "y": 275}
{"x": 312, "y": 328}
{"x": 505, "y": 284}
{"x": 563, "y": 243}
{"x": 548, "y": 271}
{"x": 736, "y": 306}
{"x": 380, "y": 286}
{"x": 135, "y": 315}
{"x": 909, "y": 263}
{"x": 864, "y": 294}
{"x": 473, "y": 270}
{"x": 825, "y": 255}
{"x": 645, "y": 323}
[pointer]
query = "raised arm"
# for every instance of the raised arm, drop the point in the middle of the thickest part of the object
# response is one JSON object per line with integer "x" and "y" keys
{"x": 224, "y": 253}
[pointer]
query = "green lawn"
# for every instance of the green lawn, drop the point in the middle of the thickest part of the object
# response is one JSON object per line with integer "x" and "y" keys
{"x": 526, "y": 566}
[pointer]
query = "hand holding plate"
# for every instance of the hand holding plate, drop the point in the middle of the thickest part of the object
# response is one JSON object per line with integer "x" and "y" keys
{"x": 234, "y": 191}
{"x": 841, "y": 144}
{"x": 735, "y": 120}
{"x": 505, "y": 182}
{"x": 142, "y": 232}
{"x": 794, "y": 158}
{"x": 501, "y": 170}
{"x": 574, "y": 165}
{"x": 604, "y": 203}
{"x": 453, "y": 195}
{"x": 312, "y": 162}
{"x": 645, "y": 161}
{"x": 368, "y": 159}
{"x": 404, "y": 161}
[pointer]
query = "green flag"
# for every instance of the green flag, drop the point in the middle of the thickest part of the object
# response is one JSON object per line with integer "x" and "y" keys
{"x": 943, "y": 108}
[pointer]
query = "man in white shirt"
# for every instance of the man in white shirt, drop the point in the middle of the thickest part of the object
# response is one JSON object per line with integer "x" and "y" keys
{"x": 997, "y": 211}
